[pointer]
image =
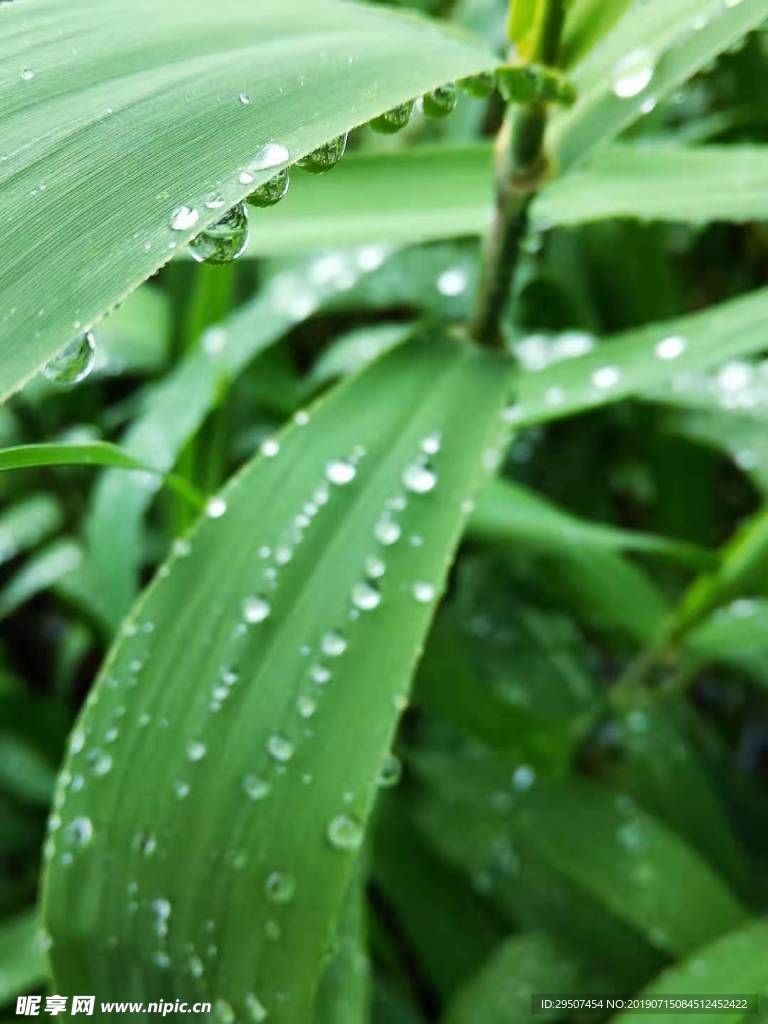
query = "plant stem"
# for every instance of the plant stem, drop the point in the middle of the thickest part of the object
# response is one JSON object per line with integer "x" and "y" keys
{"x": 520, "y": 168}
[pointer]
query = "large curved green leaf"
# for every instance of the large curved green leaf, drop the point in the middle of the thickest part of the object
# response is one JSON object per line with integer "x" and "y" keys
{"x": 221, "y": 775}
{"x": 113, "y": 113}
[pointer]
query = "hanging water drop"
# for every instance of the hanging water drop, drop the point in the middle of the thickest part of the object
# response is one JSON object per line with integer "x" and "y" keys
{"x": 390, "y": 772}
{"x": 73, "y": 364}
{"x": 393, "y": 120}
{"x": 272, "y": 191}
{"x": 633, "y": 73}
{"x": 480, "y": 86}
{"x": 345, "y": 833}
{"x": 223, "y": 241}
{"x": 183, "y": 218}
{"x": 440, "y": 102}
{"x": 324, "y": 157}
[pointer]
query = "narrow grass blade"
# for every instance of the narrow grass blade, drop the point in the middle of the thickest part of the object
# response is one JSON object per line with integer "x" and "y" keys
{"x": 282, "y": 686}
{"x": 661, "y": 182}
{"x": 653, "y": 49}
{"x": 39, "y": 573}
{"x": 26, "y": 523}
{"x": 734, "y": 964}
{"x": 181, "y": 110}
{"x": 22, "y": 956}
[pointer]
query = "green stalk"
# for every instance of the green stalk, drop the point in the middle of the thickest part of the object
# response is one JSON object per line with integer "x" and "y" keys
{"x": 521, "y": 167}
{"x": 741, "y": 558}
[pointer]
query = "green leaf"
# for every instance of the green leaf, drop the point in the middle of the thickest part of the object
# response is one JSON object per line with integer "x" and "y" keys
{"x": 344, "y": 995}
{"x": 662, "y": 181}
{"x": 658, "y": 45}
{"x": 179, "y": 404}
{"x": 507, "y": 511}
{"x": 21, "y": 955}
{"x": 39, "y": 573}
{"x": 26, "y": 523}
{"x": 502, "y": 990}
{"x": 587, "y": 22}
{"x": 735, "y": 963}
{"x": 148, "y": 87}
{"x": 231, "y": 644}
{"x": 410, "y": 195}
{"x": 620, "y": 367}
{"x": 735, "y": 635}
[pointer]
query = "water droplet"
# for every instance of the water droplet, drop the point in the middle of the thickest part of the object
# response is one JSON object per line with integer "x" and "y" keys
{"x": 279, "y": 887}
{"x": 215, "y": 508}
{"x": 183, "y": 218}
{"x": 255, "y": 787}
{"x": 319, "y": 674}
{"x": 223, "y": 241}
{"x": 345, "y": 833}
{"x": 423, "y": 592}
{"x": 102, "y": 763}
{"x": 272, "y": 154}
{"x": 195, "y": 750}
{"x": 387, "y": 531}
{"x": 480, "y": 86}
{"x": 272, "y": 191}
{"x": 27, "y": 74}
{"x": 633, "y": 73}
{"x": 419, "y": 478}
{"x": 181, "y": 789}
{"x": 73, "y": 364}
{"x": 440, "y": 102}
{"x": 279, "y": 748}
{"x": 340, "y": 472}
{"x": 324, "y": 157}
{"x": 606, "y": 377}
{"x": 523, "y": 777}
{"x": 375, "y": 567}
{"x": 256, "y": 1009}
{"x": 256, "y": 608}
{"x": 80, "y": 831}
{"x": 306, "y": 705}
{"x": 393, "y": 120}
{"x": 452, "y": 282}
{"x": 390, "y": 772}
{"x": 365, "y": 597}
{"x": 270, "y": 448}
{"x": 244, "y": 98}
{"x": 333, "y": 644}
{"x": 671, "y": 347}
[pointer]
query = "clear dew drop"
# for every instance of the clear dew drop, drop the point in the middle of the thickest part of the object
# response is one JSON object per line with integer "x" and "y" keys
{"x": 271, "y": 192}
{"x": 423, "y": 592}
{"x": 333, "y": 644}
{"x": 375, "y": 567}
{"x": 73, "y": 364}
{"x": 80, "y": 831}
{"x": 523, "y": 777}
{"x": 270, "y": 448}
{"x": 671, "y": 347}
{"x": 325, "y": 157}
{"x": 183, "y": 218}
{"x": 256, "y": 608}
{"x": 195, "y": 750}
{"x": 340, "y": 472}
{"x": 365, "y": 596}
{"x": 306, "y": 705}
{"x": 27, "y": 75}
{"x": 387, "y": 531}
{"x": 452, "y": 282}
{"x": 215, "y": 508}
{"x": 344, "y": 833}
{"x": 255, "y": 1009}
{"x": 280, "y": 748}
{"x": 440, "y": 102}
{"x": 431, "y": 444}
{"x": 606, "y": 377}
{"x": 223, "y": 241}
{"x": 633, "y": 73}
{"x": 244, "y": 98}
{"x": 390, "y": 772}
{"x": 271, "y": 154}
{"x": 319, "y": 674}
{"x": 255, "y": 787}
{"x": 393, "y": 120}
{"x": 419, "y": 477}
{"x": 279, "y": 887}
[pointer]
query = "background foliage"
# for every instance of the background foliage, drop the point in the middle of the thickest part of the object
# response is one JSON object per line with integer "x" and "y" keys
{"x": 311, "y": 484}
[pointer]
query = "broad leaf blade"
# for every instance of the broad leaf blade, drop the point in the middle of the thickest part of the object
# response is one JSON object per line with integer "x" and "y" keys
{"x": 114, "y": 114}
{"x": 241, "y": 696}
